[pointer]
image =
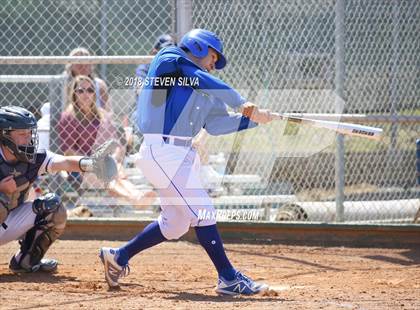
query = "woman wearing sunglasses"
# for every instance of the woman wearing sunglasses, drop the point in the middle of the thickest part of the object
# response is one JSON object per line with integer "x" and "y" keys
{"x": 82, "y": 126}
{"x": 100, "y": 88}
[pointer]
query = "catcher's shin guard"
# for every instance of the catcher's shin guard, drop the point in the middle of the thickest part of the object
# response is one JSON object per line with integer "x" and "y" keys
{"x": 37, "y": 240}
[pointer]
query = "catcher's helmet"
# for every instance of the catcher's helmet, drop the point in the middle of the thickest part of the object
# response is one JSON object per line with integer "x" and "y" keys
{"x": 12, "y": 118}
{"x": 198, "y": 41}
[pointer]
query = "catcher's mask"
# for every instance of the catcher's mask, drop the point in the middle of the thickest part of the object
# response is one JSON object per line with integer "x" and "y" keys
{"x": 13, "y": 118}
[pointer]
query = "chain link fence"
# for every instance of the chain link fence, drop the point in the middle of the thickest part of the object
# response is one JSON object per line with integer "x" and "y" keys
{"x": 353, "y": 58}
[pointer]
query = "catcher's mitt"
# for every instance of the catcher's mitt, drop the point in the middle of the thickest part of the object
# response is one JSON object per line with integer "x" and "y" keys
{"x": 101, "y": 163}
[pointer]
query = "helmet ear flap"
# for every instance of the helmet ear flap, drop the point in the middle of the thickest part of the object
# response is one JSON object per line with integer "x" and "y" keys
{"x": 198, "y": 49}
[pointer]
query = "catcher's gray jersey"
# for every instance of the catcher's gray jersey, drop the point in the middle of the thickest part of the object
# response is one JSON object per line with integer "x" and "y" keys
{"x": 24, "y": 174}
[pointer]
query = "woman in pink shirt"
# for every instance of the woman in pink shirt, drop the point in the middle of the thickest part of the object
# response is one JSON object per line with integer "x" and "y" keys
{"x": 83, "y": 126}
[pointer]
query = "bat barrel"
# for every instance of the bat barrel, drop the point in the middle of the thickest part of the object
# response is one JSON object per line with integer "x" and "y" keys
{"x": 367, "y": 132}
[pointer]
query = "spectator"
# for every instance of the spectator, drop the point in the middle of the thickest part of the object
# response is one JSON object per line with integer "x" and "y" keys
{"x": 82, "y": 126}
{"x": 44, "y": 127}
{"x": 162, "y": 41}
{"x": 74, "y": 70}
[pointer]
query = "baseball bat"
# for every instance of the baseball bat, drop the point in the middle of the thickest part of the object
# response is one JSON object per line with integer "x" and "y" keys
{"x": 348, "y": 129}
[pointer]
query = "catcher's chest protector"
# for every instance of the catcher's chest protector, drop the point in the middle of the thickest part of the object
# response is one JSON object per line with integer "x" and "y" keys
{"x": 24, "y": 175}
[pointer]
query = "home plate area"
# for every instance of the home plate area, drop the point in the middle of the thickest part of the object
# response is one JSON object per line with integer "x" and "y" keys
{"x": 180, "y": 275}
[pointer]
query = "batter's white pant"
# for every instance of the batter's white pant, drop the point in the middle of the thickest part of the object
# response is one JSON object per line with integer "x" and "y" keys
{"x": 174, "y": 172}
{"x": 19, "y": 221}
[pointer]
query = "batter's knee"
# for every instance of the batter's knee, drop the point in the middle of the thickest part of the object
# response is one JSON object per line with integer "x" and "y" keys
{"x": 173, "y": 230}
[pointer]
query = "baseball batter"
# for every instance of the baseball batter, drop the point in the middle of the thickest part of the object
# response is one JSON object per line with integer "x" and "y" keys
{"x": 183, "y": 99}
{"x": 42, "y": 221}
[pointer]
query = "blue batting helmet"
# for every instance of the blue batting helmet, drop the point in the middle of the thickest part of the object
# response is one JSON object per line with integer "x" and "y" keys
{"x": 198, "y": 41}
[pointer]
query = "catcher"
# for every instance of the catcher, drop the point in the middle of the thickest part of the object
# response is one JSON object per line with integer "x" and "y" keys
{"x": 42, "y": 221}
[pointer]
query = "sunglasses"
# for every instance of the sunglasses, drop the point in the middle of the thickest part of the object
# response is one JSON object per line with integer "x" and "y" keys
{"x": 81, "y": 90}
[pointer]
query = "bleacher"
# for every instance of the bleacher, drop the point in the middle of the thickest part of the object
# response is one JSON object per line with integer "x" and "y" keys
{"x": 229, "y": 197}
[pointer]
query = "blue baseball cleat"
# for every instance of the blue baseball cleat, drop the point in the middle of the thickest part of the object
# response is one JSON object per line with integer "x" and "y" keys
{"x": 240, "y": 285}
{"x": 113, "y": 271}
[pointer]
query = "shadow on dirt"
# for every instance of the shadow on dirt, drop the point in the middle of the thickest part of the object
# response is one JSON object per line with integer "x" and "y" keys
{"x": 35, "y": 278}
{"x": 412, "y": 258}
{"x": 219, "y": 299}
{"x": 295, "y": 260}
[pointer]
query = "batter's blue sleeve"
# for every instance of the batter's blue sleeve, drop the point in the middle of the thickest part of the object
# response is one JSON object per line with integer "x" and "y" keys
{"x": 219, "y": 121}
{"x": 225, "y": 124}
{"x": 211, "y": 84}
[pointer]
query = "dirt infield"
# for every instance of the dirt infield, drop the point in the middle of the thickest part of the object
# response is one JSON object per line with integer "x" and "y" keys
{"x": 179, "y": 275}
